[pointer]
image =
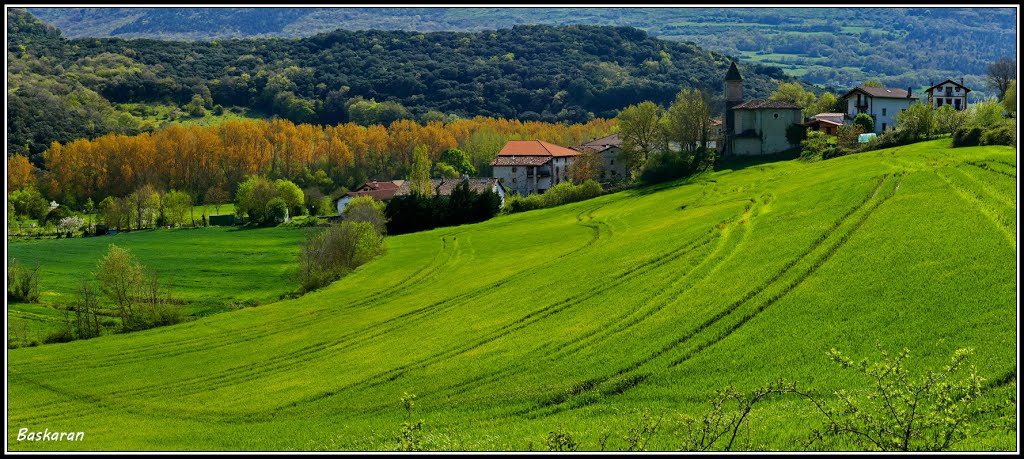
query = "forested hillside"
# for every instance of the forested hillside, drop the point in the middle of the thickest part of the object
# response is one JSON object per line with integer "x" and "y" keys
{"x": 833, "y": 46}
{"x": 530, "y": 73}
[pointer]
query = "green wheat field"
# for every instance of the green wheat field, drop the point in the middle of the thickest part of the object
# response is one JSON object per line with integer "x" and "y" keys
{"x": 579, "y": 318}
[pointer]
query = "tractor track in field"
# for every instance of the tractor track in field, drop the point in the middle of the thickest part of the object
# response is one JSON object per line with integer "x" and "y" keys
{"x": 558, "y": 402}
{"x": 296, "y": 358}
{"x": 232, "y": 337}
{"x": 986, "y": 188}
{"x": 523, "y": 322}
{"x": 978, "y": 200}
{"x": 984, "y": 166}
{"x": 603, "y": 332}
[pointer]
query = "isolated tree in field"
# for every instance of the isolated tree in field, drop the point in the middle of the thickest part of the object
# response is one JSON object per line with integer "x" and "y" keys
{"x": 144, "y": 201}
{"x": 1000, "y": 73}
{"x": 795, "y": 93}
{"x": 253, "y": 198}
{"x": 292, "y": 195}
{"x": 176, "y": 205}
{"x": 419, "y": 176}
{"x": 366, "y": 209}
{"x": 88, "y": 208}
{"x": 87, "y": 323}
{"x": 215, "y": 196}
{"x": 640, "y": 133}
{"x": 120, "y": 274}
{"x": 587, "y": 166}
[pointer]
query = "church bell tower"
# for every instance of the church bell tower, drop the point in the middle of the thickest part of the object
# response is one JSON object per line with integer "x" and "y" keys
{"x": 733, "y": 97}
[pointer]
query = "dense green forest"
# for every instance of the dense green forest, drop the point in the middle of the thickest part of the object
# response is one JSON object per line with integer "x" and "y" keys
{"x": 836, "y": 47}
{"x": 532, "y": 73}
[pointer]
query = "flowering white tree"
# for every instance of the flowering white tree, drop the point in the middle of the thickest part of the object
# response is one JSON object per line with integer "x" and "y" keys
{"x": 70, "y": 223}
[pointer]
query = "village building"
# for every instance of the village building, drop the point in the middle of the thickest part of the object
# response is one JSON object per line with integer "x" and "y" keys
{"x": 385, "y": 191}
{"x": 826, "y": 122}
{"x": 756, "y": 126}
{"x": 608, "y": 148}
{"x": 882, "y": 104}
{"x": 949, "y": 93}
{"x": 532, "y": 166}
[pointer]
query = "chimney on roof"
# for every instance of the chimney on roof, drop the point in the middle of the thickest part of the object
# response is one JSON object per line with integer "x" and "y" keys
{"x": 961, "y": 81}
{"x": 909, "y": 89}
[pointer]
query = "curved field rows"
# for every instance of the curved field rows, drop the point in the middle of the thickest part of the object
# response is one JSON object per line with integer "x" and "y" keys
{"x": 577, "y": 318}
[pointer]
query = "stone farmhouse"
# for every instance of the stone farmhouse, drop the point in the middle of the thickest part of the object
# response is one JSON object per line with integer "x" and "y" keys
{"x": 531, "y": 166}
{"x": 609, "y": 148}
{"x": 881, "y": 103}
{"x": 950, "y": 93}
{"x": 385, "y": 191}
{"x": 756, "y": 126}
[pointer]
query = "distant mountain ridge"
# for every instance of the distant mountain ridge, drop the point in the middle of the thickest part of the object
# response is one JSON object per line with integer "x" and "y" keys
{"x": 527, "y": 72}
{"x": 837, "y": 47}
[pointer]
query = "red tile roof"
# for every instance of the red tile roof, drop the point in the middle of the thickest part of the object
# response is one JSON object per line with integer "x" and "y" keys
{"x": 521, "y": 160}
{"x": 534, "y": 148}
{"x": 754, "y": 104}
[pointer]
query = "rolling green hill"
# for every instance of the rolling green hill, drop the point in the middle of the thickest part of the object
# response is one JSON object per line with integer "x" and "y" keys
{"x": 578, "y": 319}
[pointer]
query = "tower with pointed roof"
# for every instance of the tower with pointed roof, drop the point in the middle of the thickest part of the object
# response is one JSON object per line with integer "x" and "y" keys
{"x": 733, "y": 97}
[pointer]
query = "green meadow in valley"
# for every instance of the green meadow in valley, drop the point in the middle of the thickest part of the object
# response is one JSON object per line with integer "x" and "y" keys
{"x": 576, "y": 319}
{"x": 210, "y": 269}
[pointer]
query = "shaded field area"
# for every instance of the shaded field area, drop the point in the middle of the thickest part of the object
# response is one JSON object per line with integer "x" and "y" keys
{"x": 575, "y": 319}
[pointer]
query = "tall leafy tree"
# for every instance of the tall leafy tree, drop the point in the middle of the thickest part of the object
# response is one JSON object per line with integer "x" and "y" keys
{"x": 1000, "y": 73}
{"x": 640, "y": 133}
{"x": 688, "y": 121}
{"x": 419, "y": 176}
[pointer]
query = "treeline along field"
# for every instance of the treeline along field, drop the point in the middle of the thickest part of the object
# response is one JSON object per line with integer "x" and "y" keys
{"x": 579, "y": 318}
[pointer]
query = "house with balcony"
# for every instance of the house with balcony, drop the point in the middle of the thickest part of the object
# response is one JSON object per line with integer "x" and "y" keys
{"x": 532, "y": 166}
{"x": 881, "y": 103}
{"x": 949, "y": 93}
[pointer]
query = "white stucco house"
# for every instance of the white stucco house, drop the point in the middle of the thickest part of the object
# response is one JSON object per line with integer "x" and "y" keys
{"x": 881, "y": 103}
{"x": 532, "y": 166}
{"x": 949, "y": 93}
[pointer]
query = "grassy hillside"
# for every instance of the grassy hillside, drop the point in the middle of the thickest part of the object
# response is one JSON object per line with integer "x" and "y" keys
{"x": 578, "y": 318}
{"x": 210, "y": 269}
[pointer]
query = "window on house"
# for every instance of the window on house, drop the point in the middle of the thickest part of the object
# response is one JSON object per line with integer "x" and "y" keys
{"x": 513, "y": 180}
{"x": 775, "y": 115}
{"x": 938, "y": 102}
{"x": 883, "y": 127}
{"x": 883, "y": 112}
{"x": 949, "y": 101}
{"x": 612, "y": 162}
